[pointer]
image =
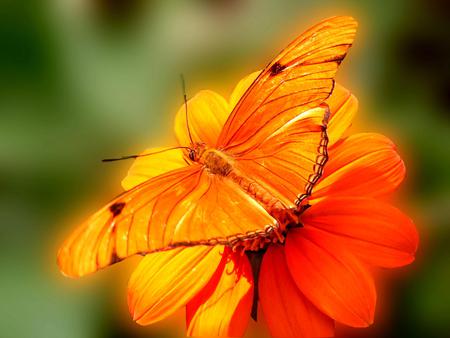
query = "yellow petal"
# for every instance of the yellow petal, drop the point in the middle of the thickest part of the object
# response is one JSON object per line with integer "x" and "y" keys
{"x": 343, "y": 107}
{"x": 223, "y": 307}
{"x": 241, "y": 87}
{"x": 165, "y": 281}
{"x": 207, "y": 112}
{"x": 146, "y": 167}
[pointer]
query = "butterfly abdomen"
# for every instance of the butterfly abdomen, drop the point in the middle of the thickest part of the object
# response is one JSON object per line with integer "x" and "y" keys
{"x": 256, "y": 191}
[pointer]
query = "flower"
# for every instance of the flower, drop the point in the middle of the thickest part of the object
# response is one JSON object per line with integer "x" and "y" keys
{"x": 319, "y": 276}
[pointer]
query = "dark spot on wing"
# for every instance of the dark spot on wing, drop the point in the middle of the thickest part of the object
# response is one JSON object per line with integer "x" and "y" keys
{"x": 117, "y": 208}
{"x": 338, "y": 59}
{"x": 114, "y": 258}
{"x": 276, "y": 68}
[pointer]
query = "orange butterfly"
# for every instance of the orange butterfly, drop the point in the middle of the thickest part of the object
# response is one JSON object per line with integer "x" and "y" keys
{"x": 244, "y": 180}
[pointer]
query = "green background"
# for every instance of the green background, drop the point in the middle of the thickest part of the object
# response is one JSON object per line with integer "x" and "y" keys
{"x": 81, "y": 80}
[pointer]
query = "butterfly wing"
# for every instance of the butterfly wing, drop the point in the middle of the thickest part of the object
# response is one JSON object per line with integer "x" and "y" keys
{"x": 184, "y": 207}
{"x": 300, "y": 78}
{"x": 291, "y": 160}
{"x": 277, "y": 130}
{"x": 189, "y": 206}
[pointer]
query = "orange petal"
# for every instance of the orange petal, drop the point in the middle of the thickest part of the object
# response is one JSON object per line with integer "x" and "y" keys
{"x": 165, "y": 281}
{"x": 365, "y": 164}
{"x": 331, "y": 277}
{"x": 343, "y": 107}
{"x": 241, "y": 88}
{"x": 375, "y": 231}
{"x": 146, "y": 167}
{"x": 223, "y": 307}
{"x": 207, "y": 112}
{"x": 287, "y": 311}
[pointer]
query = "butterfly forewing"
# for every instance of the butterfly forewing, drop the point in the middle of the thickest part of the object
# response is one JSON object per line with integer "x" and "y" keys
{"x": 185, "y": 207}
{"x": 300, "y": 78}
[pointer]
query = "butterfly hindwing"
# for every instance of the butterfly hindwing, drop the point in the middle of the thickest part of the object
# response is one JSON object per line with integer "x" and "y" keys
{"x": 290, "y": 161}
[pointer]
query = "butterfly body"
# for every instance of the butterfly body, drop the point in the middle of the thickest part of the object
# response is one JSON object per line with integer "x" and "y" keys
{"x": 217, "y": 162}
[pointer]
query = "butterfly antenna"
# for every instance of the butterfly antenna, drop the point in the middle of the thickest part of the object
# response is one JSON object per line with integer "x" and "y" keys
{"x": 141, "y": 155}
{"x": 183, "y": 87}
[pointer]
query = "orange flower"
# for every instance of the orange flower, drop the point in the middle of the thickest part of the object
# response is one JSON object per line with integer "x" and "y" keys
{"x": 319, "y": 275}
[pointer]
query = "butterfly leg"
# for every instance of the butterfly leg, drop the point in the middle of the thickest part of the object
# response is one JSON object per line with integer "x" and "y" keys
{"x": 287, "y": 218}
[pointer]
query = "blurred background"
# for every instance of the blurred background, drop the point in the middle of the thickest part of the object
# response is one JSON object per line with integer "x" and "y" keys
{"x": 81, "y": 80}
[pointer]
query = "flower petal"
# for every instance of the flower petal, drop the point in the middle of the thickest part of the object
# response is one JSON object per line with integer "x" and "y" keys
{"x": 207, "y": 112}
{"x": 241, "y": 88}
{"x": 343, "y": 107}
{"x": 148, "y": 166}
{"x": 365, "y": 164}
{"x": 165, "y": 281}
{"x": 375, "y": 231}
{"x": 330, "y": 277}
{"x": 287, "y": 311}
{"x": 223, "y": 307}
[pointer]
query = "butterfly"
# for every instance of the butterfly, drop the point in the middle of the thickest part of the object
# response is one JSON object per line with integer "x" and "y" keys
{"x": 241, "y": 188}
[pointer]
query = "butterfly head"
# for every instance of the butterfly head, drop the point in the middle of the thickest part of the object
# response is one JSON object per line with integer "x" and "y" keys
{"x": 192, "y": 154}
{"x": 196, "y": 151}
